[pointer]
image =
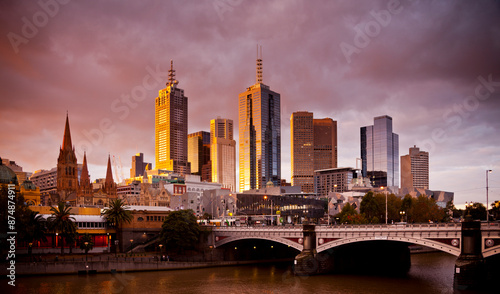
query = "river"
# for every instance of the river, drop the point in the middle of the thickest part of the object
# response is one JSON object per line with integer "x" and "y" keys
{"x": 429, "y": 273}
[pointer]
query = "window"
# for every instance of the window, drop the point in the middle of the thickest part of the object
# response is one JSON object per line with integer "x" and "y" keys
{"x": 140, "y": 219}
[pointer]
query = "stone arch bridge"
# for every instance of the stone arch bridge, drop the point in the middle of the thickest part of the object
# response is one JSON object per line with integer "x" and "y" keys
{"x": 445, "y": 237}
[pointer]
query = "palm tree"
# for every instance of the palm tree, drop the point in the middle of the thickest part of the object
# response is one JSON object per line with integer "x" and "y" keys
{"x": 117, "y": 214}
{"x": 62, "y": 222}
{"x": 34, "y": 228}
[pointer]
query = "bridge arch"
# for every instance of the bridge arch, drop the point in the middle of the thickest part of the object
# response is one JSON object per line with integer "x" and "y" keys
{"x": 425, "y": 242}
{"x": 284, "y": 241}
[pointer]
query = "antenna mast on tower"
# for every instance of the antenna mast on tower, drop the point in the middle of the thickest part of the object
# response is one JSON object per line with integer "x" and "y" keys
{"x": 259, "y": 65}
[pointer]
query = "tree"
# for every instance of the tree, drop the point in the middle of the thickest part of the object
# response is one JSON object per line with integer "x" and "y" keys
{"x": 180, "y": 231}
{"x": 34, "y": 228}
{"x": 370, "y": 207}
{"x": 495, "y": 210}
{"x": 62, "y": 222}
{"x": 349, "y": 215}
{"x": 477, "y": 211}
{"x": 117, "y": 214}
{"x": 425, "y": 209}
{"x": 86, "y": 243}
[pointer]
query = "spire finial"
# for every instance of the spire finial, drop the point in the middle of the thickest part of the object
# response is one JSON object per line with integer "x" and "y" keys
{"x": 259, "y": 65}
{"x": 171, "y": 74}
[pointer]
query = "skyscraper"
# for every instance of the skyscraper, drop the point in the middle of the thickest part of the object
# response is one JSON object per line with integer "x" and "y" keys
{"x": 259, "y": 135}
{"x": 198, "y": 151}
{"x": 302, "y": 145}
{"x": 415, "y": 169}
{"x": 171, "y": 125}
{"x": 223, "y": 153}
{"x": 314, "y": 147}
{"x": 380, "y": 153}
{"x": 325, "y": 143}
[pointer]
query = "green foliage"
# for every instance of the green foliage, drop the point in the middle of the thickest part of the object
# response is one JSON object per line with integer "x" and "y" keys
{"x": 349, "y": 215}
{"x": 477, "y": 211}
{"x": 495, "y": 210}
{"x": 34, "y": 227}
{"x": 86, "y": 238}
{"x": 117, "y": 213}
{"x": 180, "y": 231}
{"x": 62, "y": 222}
{"x": 424, "y": 209}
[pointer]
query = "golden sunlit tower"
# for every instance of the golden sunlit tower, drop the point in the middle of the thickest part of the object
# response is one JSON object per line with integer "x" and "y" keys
{"x": 325, "y": 143}
{"x": 67, "y": 169}
{"x": 223, "y": 153}
{"x": 259, "y": 135}
{"x": 171, "y": 125}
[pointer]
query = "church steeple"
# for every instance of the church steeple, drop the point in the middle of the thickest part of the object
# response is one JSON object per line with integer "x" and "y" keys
{"x": 85, "y": 185}
{"x": 109, "y": 184}
{"x": 66, "y": 145}
{"x": 67, "y": 168}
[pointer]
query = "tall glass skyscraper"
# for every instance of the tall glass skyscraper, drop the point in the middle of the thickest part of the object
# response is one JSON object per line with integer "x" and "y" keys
{"x": 259, "y": 135}
{"x": 171, "y": 125}
{"x": 380, "y": 153}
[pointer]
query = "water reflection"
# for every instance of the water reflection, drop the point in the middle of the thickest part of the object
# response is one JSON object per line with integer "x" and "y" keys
{"x": 430, "y": 273}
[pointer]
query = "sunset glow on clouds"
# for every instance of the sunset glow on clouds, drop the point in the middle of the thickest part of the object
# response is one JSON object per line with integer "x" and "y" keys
{"x": 433, "y": 66}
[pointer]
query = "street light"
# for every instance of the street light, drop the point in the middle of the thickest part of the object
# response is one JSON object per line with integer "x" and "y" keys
{"x": 265, "y": 198}
{"x": 402, "y": 213}
{"x": 116, "y": 247}
{"x": 385, "y": 204}
{"x": 487, "y": 213}
{"x": 161, "y": 245}
{"x": 86, "y": 250}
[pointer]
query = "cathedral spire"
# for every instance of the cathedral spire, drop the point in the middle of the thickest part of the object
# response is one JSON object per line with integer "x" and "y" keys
{"x": 66, "y": 145}
{"x": 109, "y": 173}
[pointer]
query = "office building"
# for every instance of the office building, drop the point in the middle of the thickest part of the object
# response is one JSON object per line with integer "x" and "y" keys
{"x": 223, "y": 153}
{"x": 380, "y": 153}
{"x": 139, "y": 166}
{"x": 415, "y": 169}
{"x": 314, "y": 147}
{"x": 199, "y": 152}
{"x": 171, "y": 125}
{"x": 259, "y": 135}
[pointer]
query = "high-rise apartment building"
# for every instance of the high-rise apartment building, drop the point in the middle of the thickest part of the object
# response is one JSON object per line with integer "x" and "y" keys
{"x": 415, "y": 169}
{"x": 199, "y": 152}
{"x": 314, "y": 147}
{"x": 259, "y": 135}
{"x": 171, "y": 125}
{"x": 380, "y": 153}
{"x": 223, "y": 153}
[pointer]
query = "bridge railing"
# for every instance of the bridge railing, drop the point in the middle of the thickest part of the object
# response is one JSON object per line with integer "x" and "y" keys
{"x": 370, "y": 227}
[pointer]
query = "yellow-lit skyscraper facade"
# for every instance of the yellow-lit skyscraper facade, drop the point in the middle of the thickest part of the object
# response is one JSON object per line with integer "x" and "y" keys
{"x": 171, "y": 113}
{"x": 259, "y": 135}
{"x": 223, "y": 153}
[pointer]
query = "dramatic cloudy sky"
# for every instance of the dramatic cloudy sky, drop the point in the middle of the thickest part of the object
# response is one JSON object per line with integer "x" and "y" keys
{"x": 433, "y": 66}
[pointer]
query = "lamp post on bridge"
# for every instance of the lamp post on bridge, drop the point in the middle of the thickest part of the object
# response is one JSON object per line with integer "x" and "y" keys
{"x": 265, "y": 198}
{"x": 487, "y": 213}
{"x": 385, "y": 203}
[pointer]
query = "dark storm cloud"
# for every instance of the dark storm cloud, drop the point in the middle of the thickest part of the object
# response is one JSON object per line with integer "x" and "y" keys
{"x": 422, "y": 67}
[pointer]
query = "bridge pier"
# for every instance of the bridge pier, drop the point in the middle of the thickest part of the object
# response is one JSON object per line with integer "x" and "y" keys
{"x": 306, "y": 263}
{"x": 470, "y": 269}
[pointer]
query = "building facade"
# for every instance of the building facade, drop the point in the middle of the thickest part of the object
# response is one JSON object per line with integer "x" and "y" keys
{"x": 336, "y": 180}
{"x": 199, "y": 152}
{"x": 139, "y": 166}
{"x": 302, "y": 145}
{"x": 223, "y": 153}
{"x": 380, "y": 153}
{"x": 314, "y": 147}
{"x": 259, "y": 135}
{"x": 325, "y": 143}
{"x": 171, "y": 125}
{"x": 415, "y": 169}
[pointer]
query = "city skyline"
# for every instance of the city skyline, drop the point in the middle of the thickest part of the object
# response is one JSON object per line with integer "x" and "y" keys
{"x": 438, "y": 80}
